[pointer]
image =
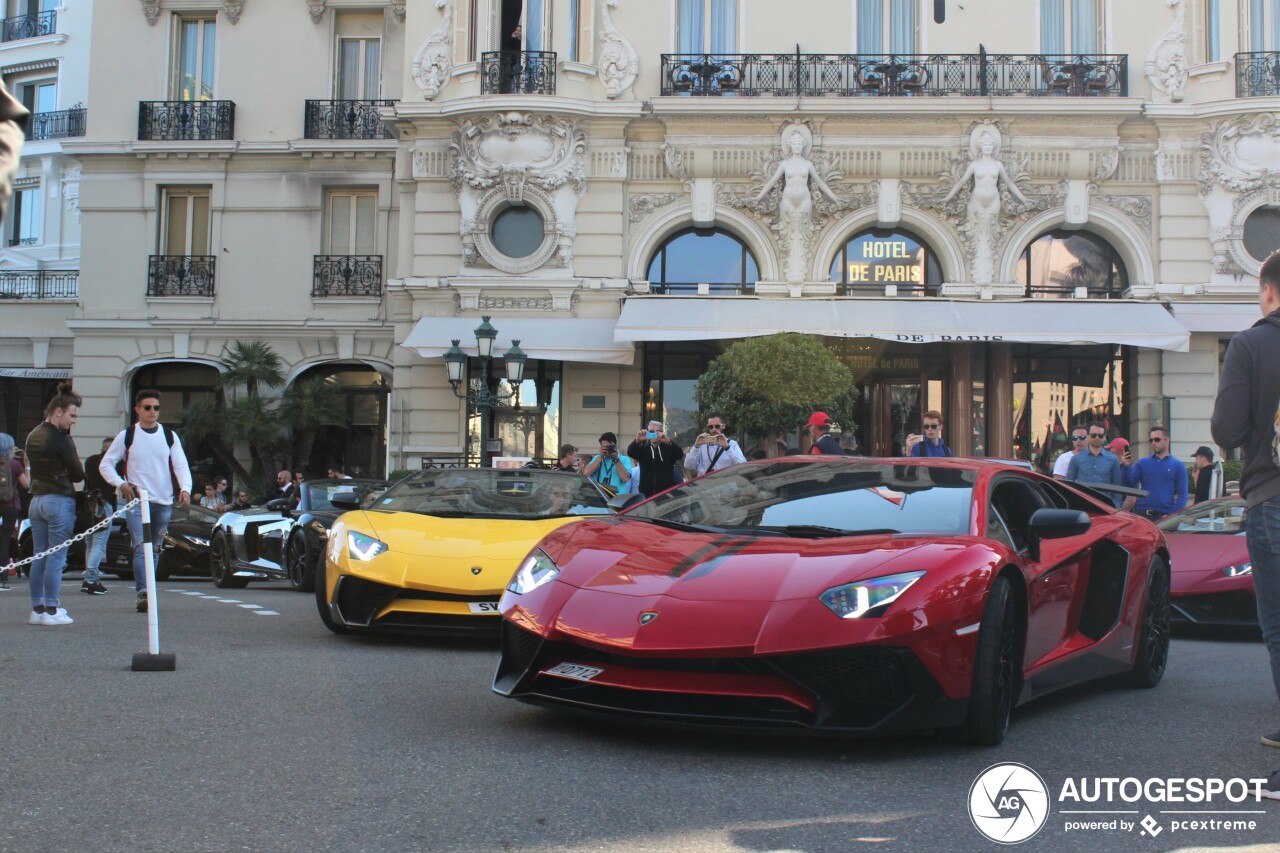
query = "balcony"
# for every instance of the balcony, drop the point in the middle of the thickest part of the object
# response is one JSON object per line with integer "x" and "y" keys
{"x": 518, "y": 72}
{"x": 910, "y": 75}
{"x": 23, "y": 241}
{"x": 186, "y": 120}
{"x": 180, "y": 275}
{"x": 347, "y": 275}
{"x": 39, "y": 284}
{"x": 345, "y": 120}
{"x": 1258, "y": 74}
{"x": 63, "y": 124}
{"x": 29, "y": 26}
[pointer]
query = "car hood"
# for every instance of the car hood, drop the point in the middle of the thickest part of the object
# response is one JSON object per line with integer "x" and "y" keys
{"x": 1196, "y": 553}
{"x": 458, "y": 538}
{"x": 643, "y": 560}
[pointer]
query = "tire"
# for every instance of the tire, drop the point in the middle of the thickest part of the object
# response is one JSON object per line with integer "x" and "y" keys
{"x": 1153, "y": 631}
{"x": 322, "y": 601}
{"x": 302, "y": 570}
{"x": 997, "y": 667}
{"x": 220, "y": 566}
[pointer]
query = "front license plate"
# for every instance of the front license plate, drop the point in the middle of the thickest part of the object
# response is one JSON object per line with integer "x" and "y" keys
{"x": 575, "y": 670}
{"x": 483, "y": 606}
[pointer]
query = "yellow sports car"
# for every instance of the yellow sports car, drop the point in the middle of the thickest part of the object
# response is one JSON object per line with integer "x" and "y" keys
{"x": 435, "y": 551}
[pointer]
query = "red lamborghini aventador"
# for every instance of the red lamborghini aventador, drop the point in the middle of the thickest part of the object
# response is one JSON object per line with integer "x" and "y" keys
{"x": 1212, "y": 573}
{"x": 841, "y": 595}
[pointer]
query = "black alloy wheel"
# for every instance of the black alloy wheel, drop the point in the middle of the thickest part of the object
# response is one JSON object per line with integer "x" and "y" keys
{"x": 997, "y": 666}
{"x": 1153, "y": 631}
{"x": 298, "y": 559}
{"x": 220, "y": 570}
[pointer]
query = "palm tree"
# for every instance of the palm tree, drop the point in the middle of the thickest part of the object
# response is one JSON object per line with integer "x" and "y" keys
{"x": 307, "y": 406}
{"x": 255, "y": 422}
{"x": 202, "y": 422}
{"x": 251, "y": 364}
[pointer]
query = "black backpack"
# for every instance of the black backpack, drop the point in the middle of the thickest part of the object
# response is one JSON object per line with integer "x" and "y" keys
{"x": 123, "y": 468}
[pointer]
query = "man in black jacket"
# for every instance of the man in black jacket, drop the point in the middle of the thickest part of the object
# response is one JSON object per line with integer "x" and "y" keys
{"x": 657, "y": 455}
{"x": 102, "y": 502}
{"x": 1247, "y": 414}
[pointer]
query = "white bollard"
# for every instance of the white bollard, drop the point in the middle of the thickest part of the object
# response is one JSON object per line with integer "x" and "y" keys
{"x": 151, "y": 660}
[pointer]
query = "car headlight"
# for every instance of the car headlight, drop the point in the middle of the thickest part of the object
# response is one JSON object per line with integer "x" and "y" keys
{"x": 1238, "y": 569}
{"x": 197, "y": 541}
{"x": 362, "y": 547}
{"x": 862, "y": 598}
{"x": 536, "y": 570}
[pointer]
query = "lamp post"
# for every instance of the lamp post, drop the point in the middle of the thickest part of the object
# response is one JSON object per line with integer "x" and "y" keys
{"x": 455, "y": 366}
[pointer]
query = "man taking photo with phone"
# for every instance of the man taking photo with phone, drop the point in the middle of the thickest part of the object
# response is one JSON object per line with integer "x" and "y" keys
{"x": 713, "y": 450}
{"x": 657, "y": 456}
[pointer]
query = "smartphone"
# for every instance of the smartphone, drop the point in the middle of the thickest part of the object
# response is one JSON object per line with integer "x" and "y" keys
{"x": 651, "y": 435}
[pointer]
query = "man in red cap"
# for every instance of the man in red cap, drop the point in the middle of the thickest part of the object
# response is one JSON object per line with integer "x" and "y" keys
{"x": 824, "y": 442}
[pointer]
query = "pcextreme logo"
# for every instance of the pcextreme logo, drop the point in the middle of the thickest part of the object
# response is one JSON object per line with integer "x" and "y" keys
{"x": 1009, "y": 803}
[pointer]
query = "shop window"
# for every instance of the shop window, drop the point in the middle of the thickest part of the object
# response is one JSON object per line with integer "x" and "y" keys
{"x": 1056, "y": 388}
{"x": 1058, "y": 262}
{"x": 707, "y": 26}
{"x": 887, "y": 26}
{"x": 879, "y": 257}
{"x": 710, "y": 256}
{"x": 1262, "y": 232}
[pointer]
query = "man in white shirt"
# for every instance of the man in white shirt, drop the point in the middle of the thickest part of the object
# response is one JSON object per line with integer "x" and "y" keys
{"x": 1078, "y": 438}
{"x": 713, "y": 451}
{"x": 153, "y": 458}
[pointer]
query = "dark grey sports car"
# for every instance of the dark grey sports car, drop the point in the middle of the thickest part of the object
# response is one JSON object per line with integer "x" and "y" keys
{"x": 279, "y": 540}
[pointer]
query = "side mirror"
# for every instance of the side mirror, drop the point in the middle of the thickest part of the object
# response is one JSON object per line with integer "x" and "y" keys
{"x": 1054, "y": 524}
{"x": 618, "y": 503}
{"x": 278, "y": 504}
{"x": 345, "y": 500}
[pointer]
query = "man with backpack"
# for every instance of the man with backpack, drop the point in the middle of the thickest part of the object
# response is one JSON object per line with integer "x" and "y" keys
{"x": 1246, "y": 414}
{"x": 153, "y": 461}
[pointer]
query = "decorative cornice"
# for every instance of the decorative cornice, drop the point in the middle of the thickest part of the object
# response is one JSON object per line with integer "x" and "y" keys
{"x": 151, "y": 8}
{"x": 233, "y": 8}
{"x": 397, "y": 11}
{"x": 316, "y": 10}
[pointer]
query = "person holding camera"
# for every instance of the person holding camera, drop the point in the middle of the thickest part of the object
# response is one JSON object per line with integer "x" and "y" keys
{"x": 657, "y": 455}
{"x": 608, "y": 468}
{"x": 713, "y": 450}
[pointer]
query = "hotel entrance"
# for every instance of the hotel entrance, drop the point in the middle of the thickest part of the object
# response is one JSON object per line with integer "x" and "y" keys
{"x": 894, "y": 385}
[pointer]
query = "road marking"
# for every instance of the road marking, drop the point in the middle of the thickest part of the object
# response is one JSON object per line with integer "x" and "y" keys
{"x": 214, "y": 597}
{"x": 228, "y": 600}
{"x": 265, "y": 613}
{"x": 194, "y": 593}
{"x": 251, "y": 606}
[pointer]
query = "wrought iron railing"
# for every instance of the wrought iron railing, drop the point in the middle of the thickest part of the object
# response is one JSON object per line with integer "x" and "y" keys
{"x": 180, "y": 275}
{"x": 23, "y": 241}
{"x": 347, "y": 275}
{"x": 1112, "y": 288}
{"x": 686, "y": 288}
{"x": 862, "y": 75}
{"x": 459, "y": 461}
{"x": 345, "y": 120}
{"x": 515, "y": 72}
{"x": 29, "y": 26}
{"x": 39, "y": 284}
{"x": 62, "y": 124}
{"x": 1257, "y": 74}
{"x": 186, "y": 120}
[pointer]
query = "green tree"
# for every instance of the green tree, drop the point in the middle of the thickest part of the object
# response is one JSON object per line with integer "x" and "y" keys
{"x": 767, "y": 386}
{"x": 308, "y": 406}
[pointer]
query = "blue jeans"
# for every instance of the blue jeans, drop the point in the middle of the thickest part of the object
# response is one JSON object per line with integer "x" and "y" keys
{"x": 97, "y": 549}
{"x": 1262, "y": 528}
{"x": 160, "y": 514}
{"x": 53, "y": 521}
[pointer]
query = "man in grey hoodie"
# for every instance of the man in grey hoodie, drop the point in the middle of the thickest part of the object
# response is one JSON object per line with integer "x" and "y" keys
{"x": 1247, "y": 414}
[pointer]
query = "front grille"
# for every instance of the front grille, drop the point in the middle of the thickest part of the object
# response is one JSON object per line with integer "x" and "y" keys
{"x": 1228, "y": 608}
{"x": 858, "y": 687}
{"x": 358, "y": 599}
{"x": 429, "y": 595}
{"x": 722, "y": 710}
{"x": 519, "y": 647}
{"x": 438, "y": 623}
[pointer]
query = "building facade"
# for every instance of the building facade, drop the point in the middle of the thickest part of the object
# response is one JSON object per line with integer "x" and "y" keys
{"x": 1028, "y": 214}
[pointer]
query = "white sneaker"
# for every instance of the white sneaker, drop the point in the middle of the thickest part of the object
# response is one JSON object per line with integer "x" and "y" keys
{"x": 38, "y": 619}
{"x": 59, "y": 618}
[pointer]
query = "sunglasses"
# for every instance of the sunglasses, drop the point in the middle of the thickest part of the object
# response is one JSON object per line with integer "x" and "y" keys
{"x": 1097, "y": 435}
{"x": 715, "y": 426}
{"x": 147, "y": 408}
{"x": 1079, "y": 437}
{"x": 1156, "y": 440}
{"x": 932, "y": 426}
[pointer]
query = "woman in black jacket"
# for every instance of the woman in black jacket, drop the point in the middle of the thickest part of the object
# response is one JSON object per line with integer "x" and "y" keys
{"x": 55, "y": 468}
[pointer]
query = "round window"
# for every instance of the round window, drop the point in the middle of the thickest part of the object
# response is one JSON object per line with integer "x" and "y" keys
{"x": 517, "y": 232}
{"x": 1262, "y": 232}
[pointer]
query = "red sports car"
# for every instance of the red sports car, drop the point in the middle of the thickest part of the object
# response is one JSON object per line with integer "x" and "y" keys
{"x": 1212, "y": 575}
{"x": 840, "y": 595}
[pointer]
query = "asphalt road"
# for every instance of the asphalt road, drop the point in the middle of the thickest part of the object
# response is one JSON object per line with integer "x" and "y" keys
{"x": 274, "y": 734}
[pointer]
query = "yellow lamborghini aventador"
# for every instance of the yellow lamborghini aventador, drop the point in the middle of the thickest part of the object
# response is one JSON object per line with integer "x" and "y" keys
{"x": 435, "y": 551}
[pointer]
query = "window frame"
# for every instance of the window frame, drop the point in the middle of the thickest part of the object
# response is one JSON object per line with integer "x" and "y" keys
{"x": 931, "y": 260}
{"x": 744, "y": 283}
{"x": 885, "y": 39}
{"x": 1068, "y": 46}
{"x": 1270, "y": 24}
{"x": 354, "y": 194}
{"x": 708, "y": 16}
{"x": 191, "y": 193}
{"x": 179, "y": 54}
{"x": 26, "y": 207}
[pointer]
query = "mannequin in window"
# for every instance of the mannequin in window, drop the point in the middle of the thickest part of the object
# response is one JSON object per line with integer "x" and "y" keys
{"x": 795, "y": 224}
{"x": 986, "y": 172}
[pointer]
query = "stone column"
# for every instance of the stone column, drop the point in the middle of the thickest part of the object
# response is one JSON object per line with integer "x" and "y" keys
{"x": 959, "y": 421}
{"x": 1000, "y": 400}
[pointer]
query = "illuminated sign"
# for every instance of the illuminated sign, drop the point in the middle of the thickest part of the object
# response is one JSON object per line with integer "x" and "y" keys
{"x": 891, "y": 261}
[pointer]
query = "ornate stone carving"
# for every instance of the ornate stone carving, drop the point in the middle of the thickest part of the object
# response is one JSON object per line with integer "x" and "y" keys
{"x": 642, "y": 205}
{"x": 511, "y": 158}
{"x": 316, "y": 9}
{"x": 233, "y": 8}
{"x": 1107, "y": 165}
{"x": 516, "y": 303}
{"x": 618, "y": 63}
{"x": 674, "y": 159}
{"x": 1136, "y": 207}
{"x": 1241, "y": 154}
{"x": 1166, "y": 66}
{"x": 151, "y": 8}
{"x": 431, "y": 64}
{"x": 397, "y": 11}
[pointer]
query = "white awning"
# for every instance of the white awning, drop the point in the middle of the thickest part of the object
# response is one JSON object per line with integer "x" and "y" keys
{"x": 1222, "y": 317}
{"x": 910, "y": 320}
{"x": 559, "y": 339}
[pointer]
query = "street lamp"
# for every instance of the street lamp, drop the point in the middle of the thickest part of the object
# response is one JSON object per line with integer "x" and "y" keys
{"x": 455, "y": 367}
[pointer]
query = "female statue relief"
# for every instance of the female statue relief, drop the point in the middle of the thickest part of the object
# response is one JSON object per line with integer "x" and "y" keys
{"x": 986, "y": 171}
{"x": 795, "y": 225}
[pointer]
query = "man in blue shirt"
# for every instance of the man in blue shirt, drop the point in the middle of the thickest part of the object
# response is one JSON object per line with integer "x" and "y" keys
{"x": 1164, "y": 478}
{"x": 1096, "y": 464}
{"x": 931, "y": 443}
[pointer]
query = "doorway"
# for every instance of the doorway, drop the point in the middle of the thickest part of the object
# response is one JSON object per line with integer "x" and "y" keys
{"x": 886, "y": 411}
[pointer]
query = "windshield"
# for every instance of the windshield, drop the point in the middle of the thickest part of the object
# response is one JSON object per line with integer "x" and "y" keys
{"x": 320, "y": 493}
{"x": 494, "y": 493}
{"x": 1224, "y": 516}
{"x": 813, "y": 497}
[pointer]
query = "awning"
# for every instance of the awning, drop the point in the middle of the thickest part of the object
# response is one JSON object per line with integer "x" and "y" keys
{"x": 1221, "y": 317}
{"x": 559, "y": 339}
{"x": 917, "y": 321}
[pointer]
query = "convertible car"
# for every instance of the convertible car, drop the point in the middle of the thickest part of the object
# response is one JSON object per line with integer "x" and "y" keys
{"x": 434, "y": 553}
{"x": 1212, "y": 575}
{"x": 839, "y": 595}
{"x": 281, "y": 540}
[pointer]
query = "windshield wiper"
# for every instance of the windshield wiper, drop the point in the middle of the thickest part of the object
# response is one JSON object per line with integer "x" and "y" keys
{"x": 818, "y": 531}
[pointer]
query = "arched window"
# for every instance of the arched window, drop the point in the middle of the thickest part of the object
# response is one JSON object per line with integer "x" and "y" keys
{"x": 710, "y": 256}
{"x": 878, "y": 257}
{"x": 1057, "y": 262}
{"x": 1262, "y": 232}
